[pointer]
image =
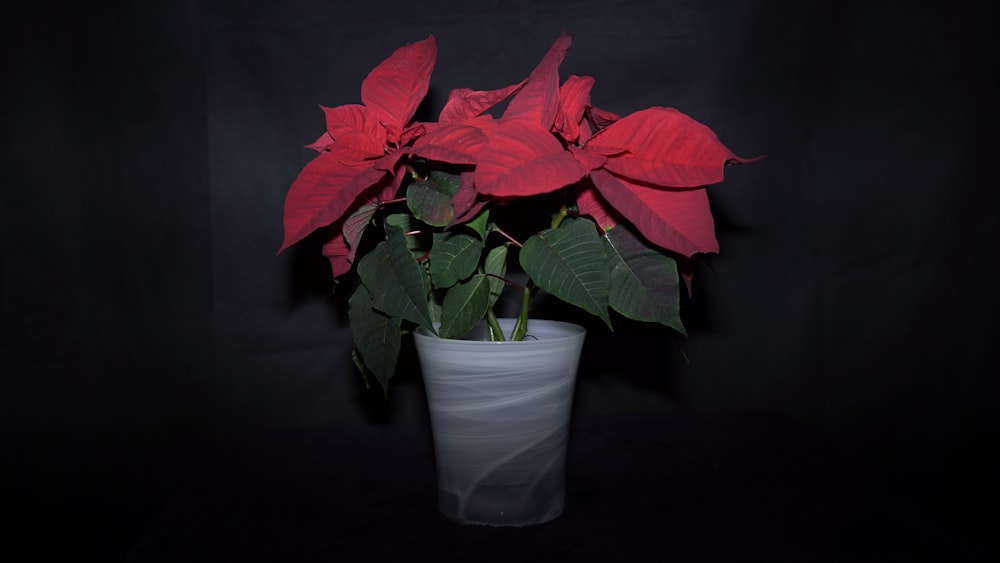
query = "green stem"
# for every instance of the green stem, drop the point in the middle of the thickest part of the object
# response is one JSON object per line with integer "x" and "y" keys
{"x": 521, "y": 324}
{"x": 558, "y": 219}
{"x": 496, "y": 333}
{"x": 563, "y": 211}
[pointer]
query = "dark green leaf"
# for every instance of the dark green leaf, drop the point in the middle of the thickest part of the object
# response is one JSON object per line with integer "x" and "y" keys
{"x": 644, "y": 281}
{"x": 406, "y": 223}
{"x": 430, "y": 200}
{"x": 454, "y": 257}
{"x": 464, "y": 306}
{"x": 354, "y": 226}
{"x": 496, "y": 266}
{"x": 376, "y": 337}
{"x": 396, "y": 281}
{"x": 480, "y": 224}
{"x": 570, "y": 263}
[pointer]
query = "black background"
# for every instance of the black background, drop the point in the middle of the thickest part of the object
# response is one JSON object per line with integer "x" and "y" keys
{"x": 147, "y": 148}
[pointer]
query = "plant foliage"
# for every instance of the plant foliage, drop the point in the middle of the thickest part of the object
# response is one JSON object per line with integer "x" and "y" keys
{"x": 630, "y": 201}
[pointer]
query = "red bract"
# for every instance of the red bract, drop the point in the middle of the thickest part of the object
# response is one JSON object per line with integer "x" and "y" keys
{"x": 538, "y": 99}
{"x": 394, "y": 89}
{"x": 663, "y": 147}
{"x": 464, "y": 103}
{"x": 574, "y": 98}
{"x": 360, "y": 149}
{"x": 455, "y": 143}
{"x": 658, "y": 162}
{"x": 678, "y": 220}
{"x": 522, "y": 158}
{"x": 649, "y": 168}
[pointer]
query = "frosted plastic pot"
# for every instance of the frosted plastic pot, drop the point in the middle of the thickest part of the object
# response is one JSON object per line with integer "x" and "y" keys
{"x": 500, "y": 414}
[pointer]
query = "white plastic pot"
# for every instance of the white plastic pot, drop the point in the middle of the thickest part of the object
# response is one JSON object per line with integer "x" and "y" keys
{"x": 500, "y": 414}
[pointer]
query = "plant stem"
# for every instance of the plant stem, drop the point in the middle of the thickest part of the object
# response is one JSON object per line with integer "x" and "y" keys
{"x": 496, "y": 333}
{"x": 563, "y": 211}
{"x": 521, "y": 324}
{"x": 508, "y": 237}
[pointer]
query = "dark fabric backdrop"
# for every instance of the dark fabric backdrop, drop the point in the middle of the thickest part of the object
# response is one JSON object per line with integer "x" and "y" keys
{"x": 147, "y": 148}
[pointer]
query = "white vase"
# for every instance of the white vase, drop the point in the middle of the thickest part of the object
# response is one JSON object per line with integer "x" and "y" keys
{"x": 500, "y": 414}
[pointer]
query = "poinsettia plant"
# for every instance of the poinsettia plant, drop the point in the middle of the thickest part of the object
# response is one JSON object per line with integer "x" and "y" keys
{"x": 415, "y": 207}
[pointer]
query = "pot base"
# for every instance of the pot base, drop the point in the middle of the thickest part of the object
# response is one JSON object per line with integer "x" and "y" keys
{"x": 502, "y": 505}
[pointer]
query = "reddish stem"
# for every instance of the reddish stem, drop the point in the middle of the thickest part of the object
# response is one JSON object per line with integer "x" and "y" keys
{"x": 508, "y": 237}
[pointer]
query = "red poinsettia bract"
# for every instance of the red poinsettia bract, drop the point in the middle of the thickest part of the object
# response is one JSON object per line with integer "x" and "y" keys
{"x": 360, "y": 149}
{"x": 649, "y": 168}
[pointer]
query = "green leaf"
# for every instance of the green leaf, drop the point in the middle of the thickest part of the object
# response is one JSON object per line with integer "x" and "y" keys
{"x": 435, "y": 306}
{"x": 454, "y": 257}
{"x": 377, "y": 338}
{"x": 480, "y": 224}
{"x": 406, "y": 223}
{"x": 354, "y": 226}
{"x": 645, "y": 285}
{"x": 430, "y": 200}
{"x": 570, "y": 263}
{"x": 403, "y": 221}
{"x": 464, "y": 306}
{"x": 496, "y": 265}
{"x": 396, "y": 281}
